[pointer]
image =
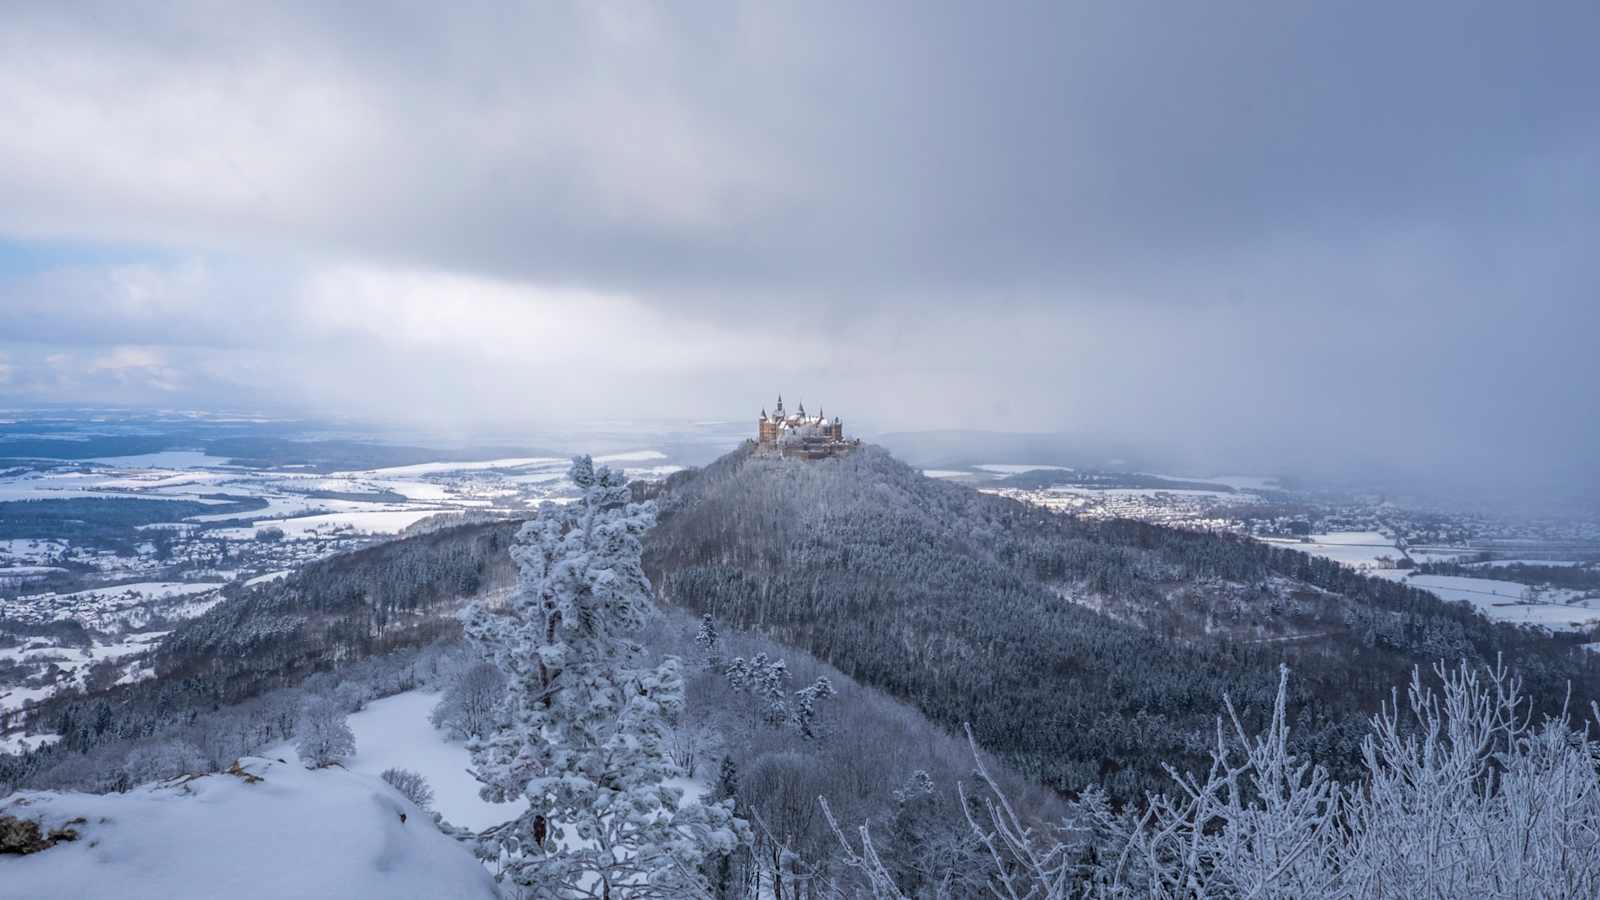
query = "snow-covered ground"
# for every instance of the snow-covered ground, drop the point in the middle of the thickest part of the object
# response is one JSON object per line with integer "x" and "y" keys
{"x": 167, "y": 459}
{"x": 1357, "y": 549}
{"x": 299, "y": 527}
{"x": 23, "y": 743}
{"x": 289, "y": 833}
{"x": 1506, "y": 601}
{"x": 395, "y": 733}
{"x": 265, "y": 577}
{"x": 1500, "y": 563}
{"x": 434, "y": 468}
{"x": 26, "y": 551}
{"x": 1237, "y": 482}
{"x": 73, "y": 664}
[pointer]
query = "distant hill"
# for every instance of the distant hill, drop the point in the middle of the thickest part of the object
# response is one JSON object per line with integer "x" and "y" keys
{"x": 1079, "y": 651}
{"x": 388, "y": 596}
{"x": 1036, "y": 479}
{"x": 963, "y": 447}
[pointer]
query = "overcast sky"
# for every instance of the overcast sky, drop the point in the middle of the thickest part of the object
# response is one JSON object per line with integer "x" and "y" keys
{"x": 1317, "y": 232}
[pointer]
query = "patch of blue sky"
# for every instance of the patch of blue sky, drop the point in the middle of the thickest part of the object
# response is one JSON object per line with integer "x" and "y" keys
{"x": 24, "y": 256}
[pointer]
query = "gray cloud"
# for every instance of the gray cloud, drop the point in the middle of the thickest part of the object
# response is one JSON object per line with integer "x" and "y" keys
{"x": 1296, "y": 231}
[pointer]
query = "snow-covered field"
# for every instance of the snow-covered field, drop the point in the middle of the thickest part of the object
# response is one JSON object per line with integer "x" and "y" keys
{"x": 395, "y": 733}
{"x": 435, "y": 468}
{"x": 167, "y": 459}
{"x": 1357, "y": 549}
{"x": 1237, "y": 482}
{"x": 1506, "y": 601}
{"x": 299, "y": 527}
{"x": 284, "y": 832}
{"x": 30, "y": 551}
{"x": 1501, "y": 563}
{"x": 374, "y": 501}
{"x": 73, "y": 664}
{"x": 265, "y": 577}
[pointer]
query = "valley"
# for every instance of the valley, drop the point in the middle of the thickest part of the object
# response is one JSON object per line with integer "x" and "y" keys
{"x": 1368, "y": 533}
{"x": 100, "y": 556}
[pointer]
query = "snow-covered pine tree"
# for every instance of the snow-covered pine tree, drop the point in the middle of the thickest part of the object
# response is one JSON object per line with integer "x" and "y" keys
{"x": 581, "y": 730}
{"x": 805, "y": 705}
{"x": 707, "y": 639}
{"x": 772, "y": 685}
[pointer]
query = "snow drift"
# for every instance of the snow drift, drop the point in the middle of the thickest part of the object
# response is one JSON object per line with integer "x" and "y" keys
{"x": 268, "y": 829}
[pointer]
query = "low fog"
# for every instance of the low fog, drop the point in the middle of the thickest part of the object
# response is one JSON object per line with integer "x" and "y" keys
{"x": 1328, "y": 239}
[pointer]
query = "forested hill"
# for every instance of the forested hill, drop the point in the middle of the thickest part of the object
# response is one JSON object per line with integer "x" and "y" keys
{"x": 1081, "y": 651}
{"x": 351, "y": 606}
{"x": 327, "y": 617}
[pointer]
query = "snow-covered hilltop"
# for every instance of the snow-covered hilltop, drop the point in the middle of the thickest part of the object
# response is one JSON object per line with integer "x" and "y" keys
{"x": 267, "y": 830}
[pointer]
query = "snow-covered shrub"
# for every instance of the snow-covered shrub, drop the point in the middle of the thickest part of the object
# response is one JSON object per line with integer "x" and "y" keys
{"x": 352, "y": 696}
{"x": 467, "y": 708}
{"x": 157, "y": 760}
{"x": 412, "y": 785}
{"x": 323, "y": 738}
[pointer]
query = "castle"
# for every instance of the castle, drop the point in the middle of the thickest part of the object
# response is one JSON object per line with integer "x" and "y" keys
{"x": 808, "y": 437}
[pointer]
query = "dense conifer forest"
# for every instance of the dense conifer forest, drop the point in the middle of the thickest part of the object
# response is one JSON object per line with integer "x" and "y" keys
{"x": 1081, "y": 652}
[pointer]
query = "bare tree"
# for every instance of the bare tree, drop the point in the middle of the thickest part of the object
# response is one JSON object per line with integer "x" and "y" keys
{"x": 412, "y": 785}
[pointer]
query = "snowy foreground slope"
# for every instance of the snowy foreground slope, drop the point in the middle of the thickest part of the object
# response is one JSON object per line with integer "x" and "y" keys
{"x": 326, "y": 833}
{"x": 395, "y": 732}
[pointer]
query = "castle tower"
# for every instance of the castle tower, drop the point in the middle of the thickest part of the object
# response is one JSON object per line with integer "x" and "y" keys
{"x": 802, "y": 435}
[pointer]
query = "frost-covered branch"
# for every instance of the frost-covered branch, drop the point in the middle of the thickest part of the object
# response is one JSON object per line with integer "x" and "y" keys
{"x": 1463, "y": 796}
